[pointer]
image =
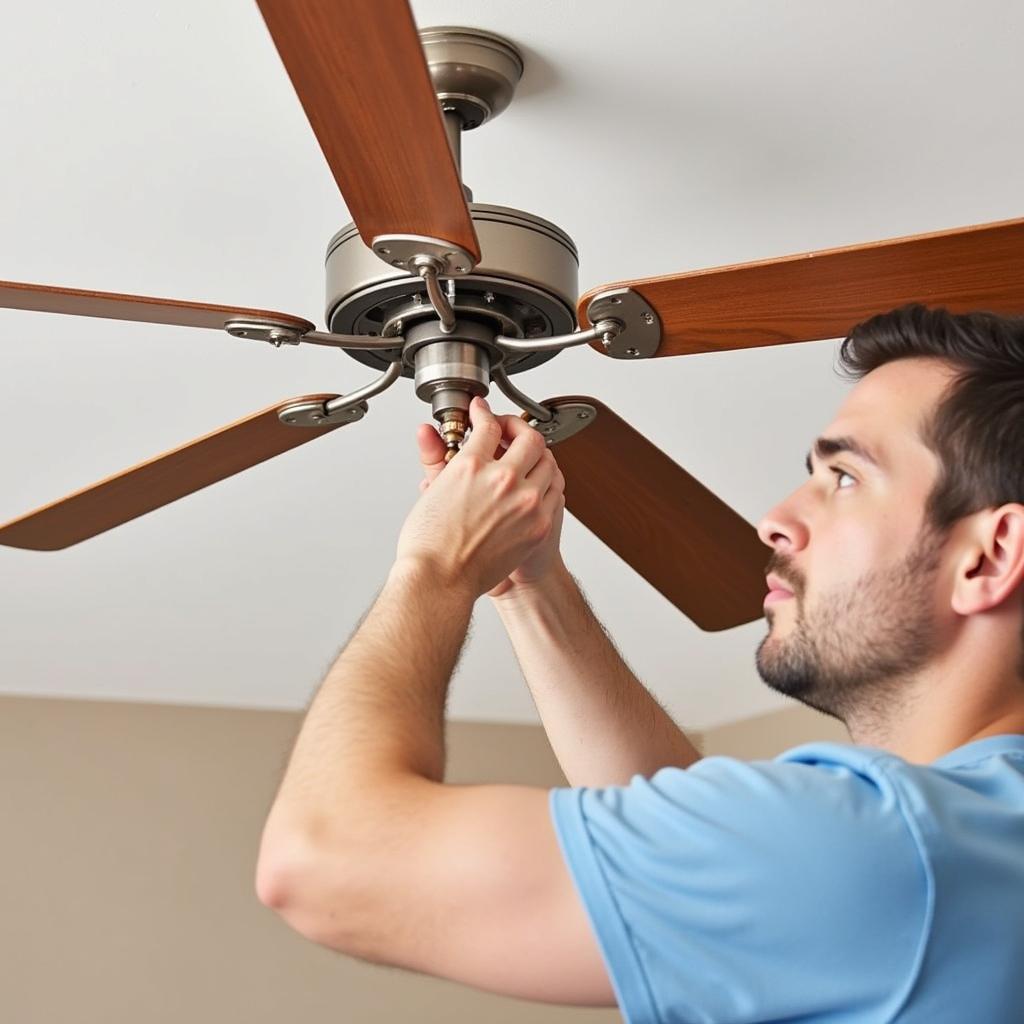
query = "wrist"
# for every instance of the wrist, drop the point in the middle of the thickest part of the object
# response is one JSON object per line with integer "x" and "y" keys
{"x": 421, "y": 572}
{"x": 543, "y": 585}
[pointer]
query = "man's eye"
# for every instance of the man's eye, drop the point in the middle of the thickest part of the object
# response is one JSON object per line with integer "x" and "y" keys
{"x": 841, "y": 473}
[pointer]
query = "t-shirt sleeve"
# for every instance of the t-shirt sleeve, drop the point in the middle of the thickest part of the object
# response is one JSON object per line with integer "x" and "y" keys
{"x": 750, "y": 891}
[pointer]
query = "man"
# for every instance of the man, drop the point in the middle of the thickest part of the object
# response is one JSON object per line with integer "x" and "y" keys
{"x": 872, "y": 882}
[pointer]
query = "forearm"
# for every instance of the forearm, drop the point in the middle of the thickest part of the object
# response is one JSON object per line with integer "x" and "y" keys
{"x": 379, "y": 713}
{"x": 603, "y": 724}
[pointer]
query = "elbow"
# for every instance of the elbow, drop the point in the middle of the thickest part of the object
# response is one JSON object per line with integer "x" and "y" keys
{"x": 304, "y": 888}
{"x": 270, "y": 889}
{"x": 282, "y": 868}
{"x": 274, "y": 886}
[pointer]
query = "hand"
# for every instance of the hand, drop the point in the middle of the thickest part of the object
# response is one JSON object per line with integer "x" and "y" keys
{"x": 495, "y": 516}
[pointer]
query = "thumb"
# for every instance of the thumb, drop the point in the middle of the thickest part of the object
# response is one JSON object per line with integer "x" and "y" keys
{"x": 432, "y": 451}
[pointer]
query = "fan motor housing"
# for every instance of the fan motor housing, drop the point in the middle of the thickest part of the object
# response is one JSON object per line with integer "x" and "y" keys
{"x": 525, "y": 285}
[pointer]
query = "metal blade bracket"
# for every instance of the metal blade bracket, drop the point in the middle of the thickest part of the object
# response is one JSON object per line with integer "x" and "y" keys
{"x": 641, "y": 326}
{"x": 342, "y": 410}
{"x": 314, "y": 414}
{"x": 279, "y": 333}
{"x": 401, "y": 250}
{"x": 566, "y": 420}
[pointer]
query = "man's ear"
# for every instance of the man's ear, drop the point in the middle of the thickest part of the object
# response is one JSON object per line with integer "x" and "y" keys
{"x": 992, "y": 567}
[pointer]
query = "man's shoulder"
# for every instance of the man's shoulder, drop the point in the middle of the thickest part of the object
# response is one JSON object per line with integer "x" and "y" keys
{"x": 805, "y": 769}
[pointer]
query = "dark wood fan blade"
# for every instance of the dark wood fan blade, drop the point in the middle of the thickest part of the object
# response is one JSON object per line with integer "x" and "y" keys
{"x": 361, "y": 77}
{"x": 46, "y": 298}
{"x": 819, "y": 295}
{"x": 161, "y": 480}
{"x": 686, "y": 542}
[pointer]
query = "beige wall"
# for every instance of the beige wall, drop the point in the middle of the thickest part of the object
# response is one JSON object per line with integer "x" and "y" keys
{"x": 768, "y": 735}
{"x": 127, "y": 862}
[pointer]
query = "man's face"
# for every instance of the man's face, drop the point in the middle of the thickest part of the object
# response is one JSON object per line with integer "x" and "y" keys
{"x": 849, "y": 544}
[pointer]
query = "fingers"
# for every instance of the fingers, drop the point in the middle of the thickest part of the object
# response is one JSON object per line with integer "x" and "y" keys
{"x": 486, "y": 434}
{"x": 432, "y": 450}
{"x": 526, "y": 452}
{"x": 546, "y": 474}
{"x": 551, "y": 506}
{"x": 553, "y": 501}
{"x": 523, "y": 445}
{"x": 496, "y": 437}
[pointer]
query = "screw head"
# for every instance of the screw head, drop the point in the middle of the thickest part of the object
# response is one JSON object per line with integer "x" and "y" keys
{"x": 383, "y": 250}
{"x": 583, "y": 415}
{"x": 648, "y": 318}
{"x": 488, "y": 297}
{"x": 289, "y": 419}
{"x": 632, "y": 352}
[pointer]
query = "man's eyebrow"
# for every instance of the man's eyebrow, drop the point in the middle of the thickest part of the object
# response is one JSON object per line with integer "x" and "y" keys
{"x": 825, "y": 447}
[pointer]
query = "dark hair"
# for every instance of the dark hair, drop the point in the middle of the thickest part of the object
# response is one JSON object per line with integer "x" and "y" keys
{"x": 977, "y": 426}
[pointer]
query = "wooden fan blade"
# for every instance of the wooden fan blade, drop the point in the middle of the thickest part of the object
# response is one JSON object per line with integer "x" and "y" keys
{"x": 686, "y": 542}
{"x": 361, "y": 77}
{"x": 818, "y": 295}
{"x": 46, "y": 298}
{"x": 161, "y": 480}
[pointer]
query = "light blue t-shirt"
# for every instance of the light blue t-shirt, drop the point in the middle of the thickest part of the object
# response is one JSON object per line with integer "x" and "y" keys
{"x": 835, "y": 883}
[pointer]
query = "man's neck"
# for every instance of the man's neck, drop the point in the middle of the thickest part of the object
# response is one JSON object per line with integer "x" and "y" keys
{"x": 927, "y": 735}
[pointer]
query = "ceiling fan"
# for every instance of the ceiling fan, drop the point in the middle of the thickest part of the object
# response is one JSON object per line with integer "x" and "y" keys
{"x": 425, "y": 284}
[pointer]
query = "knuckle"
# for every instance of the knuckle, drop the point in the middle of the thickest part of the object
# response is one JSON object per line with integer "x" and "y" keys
{"x": 538, "y": 441}
{"x": 529, "y": 501}
{"x": 468, "y": 462}
{"x": 504, "y": 480}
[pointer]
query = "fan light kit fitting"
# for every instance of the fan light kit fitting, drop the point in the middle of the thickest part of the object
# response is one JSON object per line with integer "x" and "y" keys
{"x": 457, "y": 295}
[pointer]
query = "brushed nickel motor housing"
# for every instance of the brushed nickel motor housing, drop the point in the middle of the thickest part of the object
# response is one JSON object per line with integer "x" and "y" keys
{"x": 451, "y": 371}
{"x": 474, "y": 73}
{"x": 525, "y": 285}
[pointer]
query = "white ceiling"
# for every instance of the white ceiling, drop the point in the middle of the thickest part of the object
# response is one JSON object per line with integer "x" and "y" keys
{"x": 158, "y": 148}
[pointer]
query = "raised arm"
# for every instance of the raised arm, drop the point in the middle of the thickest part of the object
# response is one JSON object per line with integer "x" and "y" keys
{"x": 602, "y": 723}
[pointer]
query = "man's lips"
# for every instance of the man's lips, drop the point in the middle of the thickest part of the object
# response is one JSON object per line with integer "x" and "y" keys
{"x": 776, "y": 590}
